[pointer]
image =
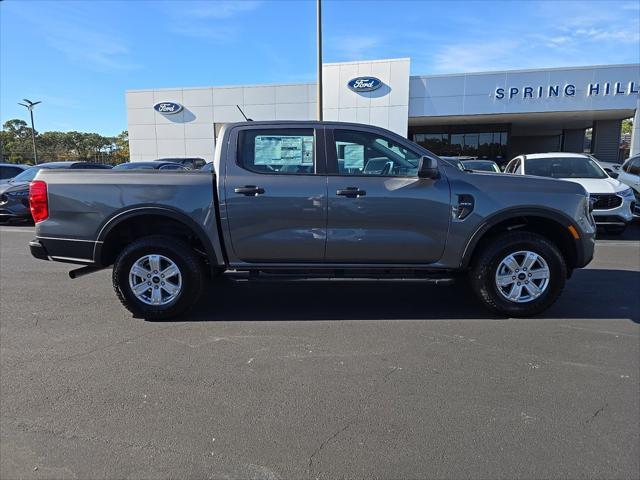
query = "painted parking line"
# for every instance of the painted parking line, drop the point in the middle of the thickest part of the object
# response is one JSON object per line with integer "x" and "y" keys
{"x": 17, "y": 230}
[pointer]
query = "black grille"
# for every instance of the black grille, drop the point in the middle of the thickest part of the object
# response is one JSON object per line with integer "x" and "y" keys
{"x": 605, "y": 201}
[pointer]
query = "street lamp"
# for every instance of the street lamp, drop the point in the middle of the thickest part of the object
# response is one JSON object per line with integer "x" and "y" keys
{"x": 319, "y": 54}
{"x": 29, "y": 105}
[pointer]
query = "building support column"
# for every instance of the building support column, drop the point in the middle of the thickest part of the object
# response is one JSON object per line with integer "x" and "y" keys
{"x": 573, "y": 140}
{"x": 605, "y": 143}
{"x": 635, "y": 132}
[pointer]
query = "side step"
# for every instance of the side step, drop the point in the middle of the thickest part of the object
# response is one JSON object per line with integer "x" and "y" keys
{"x": 254, "y": 276}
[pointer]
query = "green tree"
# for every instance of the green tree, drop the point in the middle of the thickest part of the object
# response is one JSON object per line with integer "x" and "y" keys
{"x": 16, "y": 146}
{"x": 16, "y": 141}
{"x": 627, "y": 125}
{"x": 122, "y": 147}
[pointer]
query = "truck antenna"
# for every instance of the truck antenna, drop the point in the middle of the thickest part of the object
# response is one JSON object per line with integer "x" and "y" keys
{"x": 245, "y": 117}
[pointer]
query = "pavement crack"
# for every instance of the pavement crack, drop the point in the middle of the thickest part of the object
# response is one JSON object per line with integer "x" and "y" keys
{"x": 597, "y": 412}
{"x": 351, "y": 422}
{"x": 62, "y": 433}
{"x": 326, "y": 442}
{"x": 114, "y": 344}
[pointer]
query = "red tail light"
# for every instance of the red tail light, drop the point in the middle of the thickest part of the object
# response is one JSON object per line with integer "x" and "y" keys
{"x": 38, "y": 201}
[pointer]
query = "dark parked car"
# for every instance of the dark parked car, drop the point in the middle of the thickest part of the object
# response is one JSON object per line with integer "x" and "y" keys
{"x": 156, "y": 165}
{"x": 10, "y": 170}
{"x": 14, "y": 194}
{"x": 192, "y": 163}
{"x": 481, "y": 166}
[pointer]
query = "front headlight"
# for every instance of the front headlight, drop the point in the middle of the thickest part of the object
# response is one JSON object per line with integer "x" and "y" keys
{"x": 628, "y": 193}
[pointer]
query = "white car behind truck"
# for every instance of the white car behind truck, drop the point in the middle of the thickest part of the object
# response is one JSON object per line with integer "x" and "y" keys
{"x": 613, "y": 201}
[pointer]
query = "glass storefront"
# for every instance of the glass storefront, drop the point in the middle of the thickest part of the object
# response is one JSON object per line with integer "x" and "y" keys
{"x": 480, "y": 144}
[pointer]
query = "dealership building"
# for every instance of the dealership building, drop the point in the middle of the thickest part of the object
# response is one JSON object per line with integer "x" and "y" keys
{"x": 495, "y": 115}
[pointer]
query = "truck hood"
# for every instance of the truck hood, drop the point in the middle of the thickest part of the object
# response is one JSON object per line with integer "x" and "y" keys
{"x": 599, "y": 185}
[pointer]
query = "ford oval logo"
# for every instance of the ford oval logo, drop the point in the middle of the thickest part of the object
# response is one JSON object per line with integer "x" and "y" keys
{"x": 364, "y": 84}
{"x": 168, "y": 108}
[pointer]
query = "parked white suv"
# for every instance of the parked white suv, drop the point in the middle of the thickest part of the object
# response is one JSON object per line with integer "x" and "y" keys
{"x": 629, "y": 174}
{"x": 613, "y": 201}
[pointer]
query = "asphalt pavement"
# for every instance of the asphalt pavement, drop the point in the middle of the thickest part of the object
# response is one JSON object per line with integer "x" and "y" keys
{"x": 317, "y": 380}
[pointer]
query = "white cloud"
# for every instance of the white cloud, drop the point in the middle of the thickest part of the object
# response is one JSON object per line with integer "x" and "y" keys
{"x": 220, "y": 9}
{"x": 355, "y": 47}
{"x": 67, "y": 29}
{"x": 562, "y": 37}
{"x": 194, "y": 19}
{"x": 472, "y": 57}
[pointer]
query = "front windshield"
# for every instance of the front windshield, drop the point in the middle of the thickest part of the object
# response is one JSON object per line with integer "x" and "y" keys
{"x": 563, "y": 167}
{"x": 26, "y": 176}
{"x": 484, "y": 166}
{"x": 134, "y": 166}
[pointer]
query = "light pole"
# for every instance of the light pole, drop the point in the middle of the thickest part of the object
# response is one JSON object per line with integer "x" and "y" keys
{"x": 29, "y": 105}
{"x": 319, "y": 36}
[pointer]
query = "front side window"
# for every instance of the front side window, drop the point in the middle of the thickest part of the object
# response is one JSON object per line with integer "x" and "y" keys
{"x": 364, "y": 153}
{"x": 632, "y": 166}
{"x": 281, "y": 151}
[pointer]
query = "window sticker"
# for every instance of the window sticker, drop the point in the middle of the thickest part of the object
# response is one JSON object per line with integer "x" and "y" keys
{"x": 283, "y": 150}
{"x": 354, "y": 156}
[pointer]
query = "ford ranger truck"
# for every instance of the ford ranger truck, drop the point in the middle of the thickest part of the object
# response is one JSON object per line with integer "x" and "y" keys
{"x": 316, "y": 200}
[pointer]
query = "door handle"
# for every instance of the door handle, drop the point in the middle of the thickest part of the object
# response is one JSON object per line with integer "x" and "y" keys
{"x": 249, "y": 190}
{"x": 351, "y": 192}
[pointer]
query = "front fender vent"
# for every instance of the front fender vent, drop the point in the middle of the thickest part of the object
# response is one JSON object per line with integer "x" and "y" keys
{"x": 464, "y": 206}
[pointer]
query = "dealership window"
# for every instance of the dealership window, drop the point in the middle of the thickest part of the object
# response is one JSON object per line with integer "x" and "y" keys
{"x": 281, "y": 151}
{"x": 484, "y": 145}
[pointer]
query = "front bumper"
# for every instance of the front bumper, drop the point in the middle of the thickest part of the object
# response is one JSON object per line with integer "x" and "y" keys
{"x": 618, "y": 216}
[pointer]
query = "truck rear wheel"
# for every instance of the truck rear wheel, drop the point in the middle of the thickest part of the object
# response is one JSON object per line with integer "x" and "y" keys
{"x": 518, "y": 274}
{"x": 158, "y": 277}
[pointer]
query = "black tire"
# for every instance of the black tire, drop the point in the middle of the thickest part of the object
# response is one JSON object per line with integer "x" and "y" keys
{"x": 482, "y": 274}
{"x": 615, "y": 230}
{"x": 190, "y": 267}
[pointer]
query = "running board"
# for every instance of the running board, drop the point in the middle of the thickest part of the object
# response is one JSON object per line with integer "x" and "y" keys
{"x": 289, "y": 278}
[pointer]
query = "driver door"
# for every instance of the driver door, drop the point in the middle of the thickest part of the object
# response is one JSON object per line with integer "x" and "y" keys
{"x": 380, "y": 212}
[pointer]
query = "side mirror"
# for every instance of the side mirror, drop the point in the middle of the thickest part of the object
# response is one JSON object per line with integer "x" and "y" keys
{"x": 428, "y": 168}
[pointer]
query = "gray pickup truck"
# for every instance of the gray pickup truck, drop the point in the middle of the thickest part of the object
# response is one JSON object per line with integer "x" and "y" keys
{"x": 315, "y": 200}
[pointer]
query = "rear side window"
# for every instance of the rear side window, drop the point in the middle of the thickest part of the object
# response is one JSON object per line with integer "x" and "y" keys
{"x": 9, "y": 172}
{"x": 278, "y": 151}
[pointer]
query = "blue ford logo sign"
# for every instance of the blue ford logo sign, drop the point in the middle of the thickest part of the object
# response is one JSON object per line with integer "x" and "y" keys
{"x": 364, "y": 84}
{"x": 168, "y": 108}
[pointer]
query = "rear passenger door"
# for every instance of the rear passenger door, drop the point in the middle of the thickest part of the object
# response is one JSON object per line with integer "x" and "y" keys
{"x": 275, "y": 195}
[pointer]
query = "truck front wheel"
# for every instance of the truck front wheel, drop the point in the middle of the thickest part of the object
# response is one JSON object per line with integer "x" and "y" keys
{"x": 518, "y": 274}
{"x": 158, "y": 277}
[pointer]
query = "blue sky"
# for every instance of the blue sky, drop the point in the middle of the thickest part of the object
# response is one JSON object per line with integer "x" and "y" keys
{"x": 79, "y": 57}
